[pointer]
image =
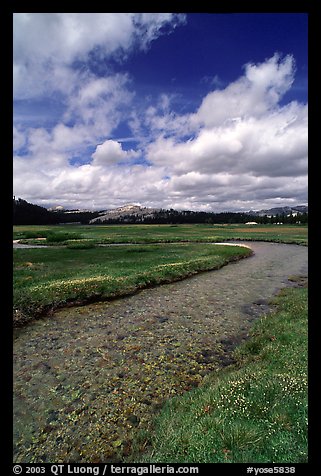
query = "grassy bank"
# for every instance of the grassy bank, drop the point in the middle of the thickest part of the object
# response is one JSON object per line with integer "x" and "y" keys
{"x": 105, "y": 234}
{"x": 45, "y": 279}
{"x": 253, "y": 411}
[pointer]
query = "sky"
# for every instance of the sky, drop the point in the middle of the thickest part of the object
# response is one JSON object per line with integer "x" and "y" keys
{"x": 197, "y": 111}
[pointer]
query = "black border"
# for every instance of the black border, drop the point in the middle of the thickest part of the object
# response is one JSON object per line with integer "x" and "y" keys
{"x": 312, "y": 8}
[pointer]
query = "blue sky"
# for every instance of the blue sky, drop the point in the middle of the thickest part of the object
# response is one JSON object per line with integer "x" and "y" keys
{"x": 187, "y": 111}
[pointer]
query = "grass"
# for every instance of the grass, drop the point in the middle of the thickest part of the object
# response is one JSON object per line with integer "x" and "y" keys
{"x": 62, "y": 237}
{"x": 253, "y": 411}
{"x": 105, "y": 234}
{"x": 48, "y": 278}
{"x": 75, "y": 270}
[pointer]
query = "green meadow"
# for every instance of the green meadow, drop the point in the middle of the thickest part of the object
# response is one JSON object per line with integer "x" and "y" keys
{"x": 106, "y": 234}
{"x": 77, "y": 267}
{"x": 252, "y": 411}
{"x": 48, "y": 278}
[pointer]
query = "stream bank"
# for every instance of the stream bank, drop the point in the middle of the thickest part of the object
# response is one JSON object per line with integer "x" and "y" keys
{"x": 88, "y": 377}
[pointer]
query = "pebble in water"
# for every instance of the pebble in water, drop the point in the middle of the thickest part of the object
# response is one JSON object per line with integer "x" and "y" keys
{"x": 87, "y": 377}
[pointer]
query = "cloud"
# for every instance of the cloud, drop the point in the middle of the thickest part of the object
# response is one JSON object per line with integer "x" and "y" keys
{"x": 239, "y": 149}
{"x": 245, "y": 145}
{"x": 91, "y": 113}
{"x": 111, "y": 152}
{"x": 57, "y": 55}
{"x": 253, "y": 95}
{"x": 19, "y": 139}
{"x": 243, "y": 129}
{"x": 46, "y": 45}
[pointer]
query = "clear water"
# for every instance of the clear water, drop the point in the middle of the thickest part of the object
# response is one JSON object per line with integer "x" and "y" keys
{"x": 87, "y": 377}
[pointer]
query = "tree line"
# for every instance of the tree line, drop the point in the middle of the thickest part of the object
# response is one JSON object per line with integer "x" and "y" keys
{"x": 25, "y": 213}
{"x": 175, "y": 217}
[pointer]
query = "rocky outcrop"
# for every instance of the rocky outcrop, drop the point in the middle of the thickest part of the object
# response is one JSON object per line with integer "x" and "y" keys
{"x": 125, "y": 211}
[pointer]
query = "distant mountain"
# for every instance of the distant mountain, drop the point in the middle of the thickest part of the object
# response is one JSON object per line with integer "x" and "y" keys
{"x": 129, "y": 214}
{"x": 137, "y": 214}
{"x": 25, "y": 213}
{"x": 280, "y": 211}
{"x": 126, "y": 213}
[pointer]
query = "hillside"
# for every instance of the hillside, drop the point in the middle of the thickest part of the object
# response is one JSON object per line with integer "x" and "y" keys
{"x": 298, "y": 209}
{"x": 137, "y": 214}
{"x": 25, "y": 213}
{"x": 125, "y": 213}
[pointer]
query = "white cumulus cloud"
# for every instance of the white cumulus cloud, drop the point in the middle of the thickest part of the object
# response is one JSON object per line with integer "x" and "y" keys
{"x": 111, "y": 152}
{"x": 253, "y": 94}
{"x": 240, "y": 147}
{"x": 45, "y": 45}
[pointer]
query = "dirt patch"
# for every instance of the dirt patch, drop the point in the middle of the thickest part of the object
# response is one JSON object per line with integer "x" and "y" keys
{"x": 299, "y": 281}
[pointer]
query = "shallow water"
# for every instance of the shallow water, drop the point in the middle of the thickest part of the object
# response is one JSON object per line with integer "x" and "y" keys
{"x": 17, "y": 245}
{"x": 87, "y": 377}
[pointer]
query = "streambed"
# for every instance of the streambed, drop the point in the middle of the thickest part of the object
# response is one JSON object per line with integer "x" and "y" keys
{"x": 87, "y": 377}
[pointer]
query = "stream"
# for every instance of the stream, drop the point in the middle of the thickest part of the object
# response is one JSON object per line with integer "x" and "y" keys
{"x": 87, "y": 378}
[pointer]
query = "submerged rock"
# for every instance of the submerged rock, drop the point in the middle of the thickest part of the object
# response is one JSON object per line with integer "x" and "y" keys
{"x": 113, "y": 374}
